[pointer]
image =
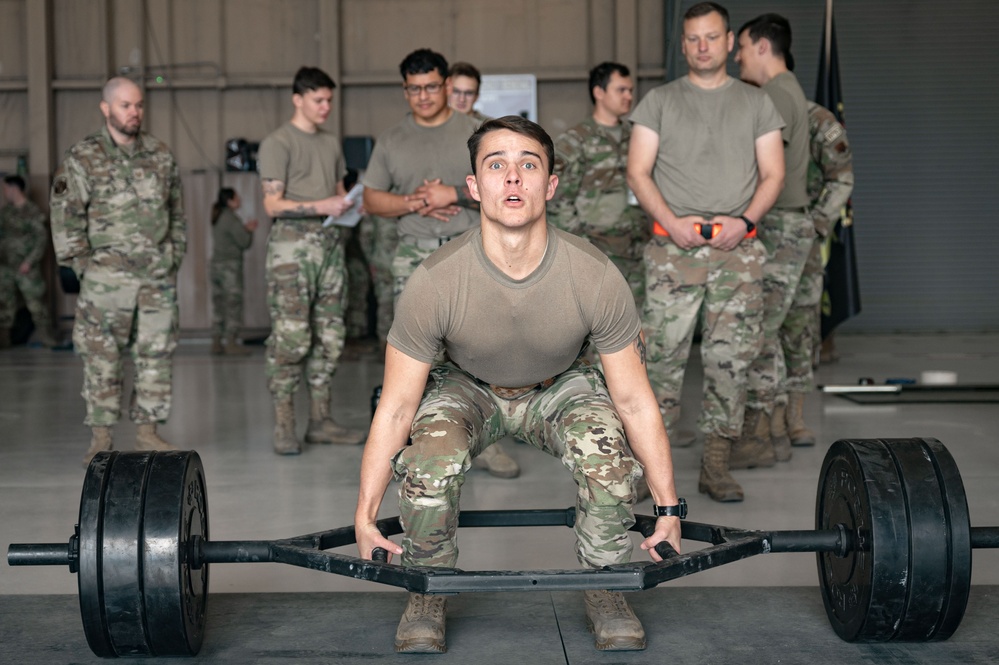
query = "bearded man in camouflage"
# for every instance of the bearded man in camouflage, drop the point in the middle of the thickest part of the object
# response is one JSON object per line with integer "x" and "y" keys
{"x": 118, "y": 222}
{"x": 591, "y": 162}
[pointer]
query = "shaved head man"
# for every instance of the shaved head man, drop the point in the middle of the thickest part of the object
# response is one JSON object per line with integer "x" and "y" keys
{"x": 118, "y": 222}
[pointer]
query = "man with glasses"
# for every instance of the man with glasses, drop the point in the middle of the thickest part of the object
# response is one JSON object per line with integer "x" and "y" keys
{"x": 465, "y": 84}
{"x": 416, "y": 175}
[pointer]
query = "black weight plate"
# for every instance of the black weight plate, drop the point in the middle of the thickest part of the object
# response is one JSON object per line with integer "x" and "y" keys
{"x": 121, "y": 561}
{"x": 940, "y": 550}
{"x": 176, "y": 509}
{"x": 89, "y": 579}
{"x": 863, "y": 592}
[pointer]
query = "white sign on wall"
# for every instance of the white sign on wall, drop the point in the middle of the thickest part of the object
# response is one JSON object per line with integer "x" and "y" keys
{"x": 508, "y": 94}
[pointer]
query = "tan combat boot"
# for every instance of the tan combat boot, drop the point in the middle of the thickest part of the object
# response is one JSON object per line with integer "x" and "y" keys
{"x": 322, "y": 427}
{"x": 612, "y": 622}
{"x": 754, "y": 448}
{"x": 778, "y": 433}
{"x": 217, "y": 348}
{"x": 285, "y": 442}
{"x": 716, "y": 481}
{"x": 497, "y": 462}
{"x": 421, "y": 629}
{"x": 797, "y": 429}
{"x": 146, "y": 438}
{"x": 233, "y": 348}
{"x": 100, "y": 440}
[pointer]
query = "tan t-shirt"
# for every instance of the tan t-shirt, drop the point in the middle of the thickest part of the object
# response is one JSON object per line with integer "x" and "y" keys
{"x": 407, "y": 154}
{"x": 514, "y": 332}
{"x": 309, "y": 165}
{"x": 707, "y": 143}
{"x": 789, "y": 98}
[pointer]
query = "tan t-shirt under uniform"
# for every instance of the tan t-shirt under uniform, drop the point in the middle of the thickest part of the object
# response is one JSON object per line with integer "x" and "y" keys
{"x": 509, "y": 332}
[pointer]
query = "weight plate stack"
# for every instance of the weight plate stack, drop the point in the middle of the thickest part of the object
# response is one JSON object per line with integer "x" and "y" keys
{"x": 908, "y": 575}
{"x": 139, "y": 595}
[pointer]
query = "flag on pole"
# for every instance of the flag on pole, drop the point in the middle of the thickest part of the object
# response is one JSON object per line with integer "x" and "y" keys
{"x": 841, "y": 286}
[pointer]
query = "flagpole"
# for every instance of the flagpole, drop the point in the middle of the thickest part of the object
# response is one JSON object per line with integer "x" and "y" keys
{"x": 828, "y": 26}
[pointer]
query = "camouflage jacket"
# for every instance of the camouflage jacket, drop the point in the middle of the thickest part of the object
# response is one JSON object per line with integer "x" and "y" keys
{"x": 22, "y": 235}
{"x": 830, "y": 172}
{"x": 118, "y": 210}
{"x": 592, "y": 195}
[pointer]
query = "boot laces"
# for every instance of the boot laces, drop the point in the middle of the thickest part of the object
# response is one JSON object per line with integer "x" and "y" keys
{"x": 426, "y": 606}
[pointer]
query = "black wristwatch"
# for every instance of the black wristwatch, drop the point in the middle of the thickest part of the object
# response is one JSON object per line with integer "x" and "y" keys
{"x": 679, "y": 510}
{"x": 750, "y": 225}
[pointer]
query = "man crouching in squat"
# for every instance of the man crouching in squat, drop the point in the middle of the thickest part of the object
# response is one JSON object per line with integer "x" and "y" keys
{"x": 512, "y": 304}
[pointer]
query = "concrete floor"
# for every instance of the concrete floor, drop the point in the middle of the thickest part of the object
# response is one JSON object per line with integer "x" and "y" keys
{"x": 222, "y": 409}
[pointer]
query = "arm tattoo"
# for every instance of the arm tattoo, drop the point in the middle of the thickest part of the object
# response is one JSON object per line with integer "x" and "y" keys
{"x": 640, "y": 349}
{"x": 275, "y": 188}
{"x": 272, "y": 187}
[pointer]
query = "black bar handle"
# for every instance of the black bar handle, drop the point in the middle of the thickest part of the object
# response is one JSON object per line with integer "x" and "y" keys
{"x": 666, "y": 551}
{"x": 379, "y": 554}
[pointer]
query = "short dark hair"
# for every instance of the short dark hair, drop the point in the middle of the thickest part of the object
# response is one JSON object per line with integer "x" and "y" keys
{"x": 466, "y": 69}
{"x": 600, "y": 76}
{"x": 423, "y": 61}
{"x": 705, "y": 8}
{"x": 15, "y": 180}
{"x": 311, "y": 78}
{"x": 517, "y": 125}
{"x": 775, "y": 29}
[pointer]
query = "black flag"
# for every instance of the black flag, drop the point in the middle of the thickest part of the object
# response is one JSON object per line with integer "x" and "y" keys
{"x": 841, "y": 288}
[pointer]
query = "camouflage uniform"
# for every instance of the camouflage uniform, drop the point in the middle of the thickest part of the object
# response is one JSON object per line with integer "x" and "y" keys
{"x": 118, "y": 222}
{"x": 231, "y": 239}
{"x": 306, "y": 290}
{"x": 728, "y": 285}
{"x": 592, "y": 199}
{"x": 358, "y": 255}
{"x": 787, "y": 236}
{"x": 573, "y": 419}
{"x": 830, "y": 183}
{"x": 787, "y": 233}
{"x": 23, "y": 238}
{"x": 386, "y": 239}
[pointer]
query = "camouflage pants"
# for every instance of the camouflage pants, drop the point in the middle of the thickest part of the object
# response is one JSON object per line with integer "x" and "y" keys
{"x": 626, "y": 253}
{"x": 729, "y": 285}
{"x": 32, "y": 289}
{"x": 409, "y": 254}
{"x": 305, "y": 294}
{"x": 114, "y": 311}
{"x": 227, "y": 297}
{"x": 357, "y": 253}
{"x": 787, "y": 237}
{"x": 800, "y": 332}
{"x": 386, "y": 239}
{"x": 573, "y": 420}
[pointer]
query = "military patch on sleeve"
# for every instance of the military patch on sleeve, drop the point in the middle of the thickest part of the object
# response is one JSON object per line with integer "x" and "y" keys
{"x": 832, "y": 134}
{"x": 59, "y": 187}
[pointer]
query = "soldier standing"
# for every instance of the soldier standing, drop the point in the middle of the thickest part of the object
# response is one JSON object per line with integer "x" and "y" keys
{"x": 301, "y": 172}
{"x": 465, "y": 83}
{"x": 118, "y": 222}
{"x": 231, "y": 237}
{"x": 417, "y": 175}
{"x": 23, "y": 238}
{"x": 830, "y": 183}
{"x": 591, "y": 162}
{"x": 787, "y": 233}
{"x": 705, "y": 155}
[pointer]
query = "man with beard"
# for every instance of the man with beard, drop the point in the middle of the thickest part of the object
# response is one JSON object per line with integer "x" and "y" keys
{"x": 118, "y": 222}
